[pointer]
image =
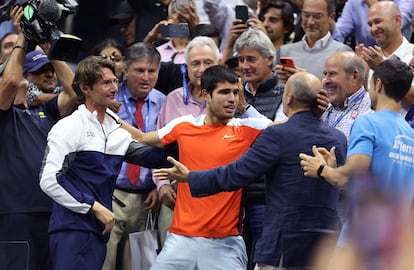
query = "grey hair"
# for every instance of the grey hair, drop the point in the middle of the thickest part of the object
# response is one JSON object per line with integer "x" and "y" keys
{"x": 257, "y": 40}
{"x": 139, "y": 51}
{"x": 201, "y": 41}
{"x": 351, "y": 63}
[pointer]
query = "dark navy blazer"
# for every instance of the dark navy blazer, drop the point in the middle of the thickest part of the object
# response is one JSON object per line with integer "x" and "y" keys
{"x": 299, "y": 210}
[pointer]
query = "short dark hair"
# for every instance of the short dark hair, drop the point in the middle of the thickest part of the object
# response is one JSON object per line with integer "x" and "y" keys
{"x": 331, "y": 5}
{"x": 396, "y": 76}
{"x": 287, "y": 15}
{"x": 89, "y": 71}
{"x": 217, "y": 74}
{"x": 106, "y": 43}
{"x": 204, "y": 29}
{"x": 141, "y": 50}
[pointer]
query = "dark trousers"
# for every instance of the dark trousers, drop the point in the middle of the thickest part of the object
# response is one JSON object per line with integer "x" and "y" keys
{"x": 300, "y": 247}
{"x": 24, "y": 241}
{"x": 252, "y": 229}
{"x": 75, "y": 250}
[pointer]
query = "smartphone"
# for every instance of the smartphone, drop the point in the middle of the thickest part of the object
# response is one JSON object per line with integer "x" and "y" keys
{"x": 179, "y": 2}
{"x": 175, "y": 30}
{"x": 287, "y": 62}
{"x": 242, "y": 13}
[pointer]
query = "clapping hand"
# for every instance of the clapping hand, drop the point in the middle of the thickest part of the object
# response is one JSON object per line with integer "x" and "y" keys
{"x": 311, "y": 164}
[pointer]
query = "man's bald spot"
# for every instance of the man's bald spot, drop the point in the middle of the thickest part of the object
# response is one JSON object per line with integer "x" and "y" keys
{"x": 304, "y": 87}
{"x": 303, "y": 82}
{"x": 389, "y": 7}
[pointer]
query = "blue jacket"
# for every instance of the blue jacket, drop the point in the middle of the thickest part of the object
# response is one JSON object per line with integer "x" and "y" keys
{"x": 299, "y": 210}
{"x": 82, "y": 161}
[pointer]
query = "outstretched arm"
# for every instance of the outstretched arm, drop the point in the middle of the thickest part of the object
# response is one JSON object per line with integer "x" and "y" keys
{"x": 260, "y": 158}
{"x": 13, "y": 72}
{"x": 178, "y": 172}
{"x": 150, "y": 138}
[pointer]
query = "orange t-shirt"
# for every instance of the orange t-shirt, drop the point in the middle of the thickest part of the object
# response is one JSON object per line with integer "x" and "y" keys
{"x": 202, "y": 147}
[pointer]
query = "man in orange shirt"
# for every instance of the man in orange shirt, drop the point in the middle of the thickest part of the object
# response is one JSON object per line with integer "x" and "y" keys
{"x": 205, "y": 231}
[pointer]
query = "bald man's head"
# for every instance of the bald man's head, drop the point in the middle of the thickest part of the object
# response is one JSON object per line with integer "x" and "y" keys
{"x": 384, "y": 20}
{"x": 388, "y": 6}
{"x": 300, "y": 92}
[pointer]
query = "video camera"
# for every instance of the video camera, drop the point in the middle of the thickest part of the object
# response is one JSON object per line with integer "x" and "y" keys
{"x": 39, "y": 25}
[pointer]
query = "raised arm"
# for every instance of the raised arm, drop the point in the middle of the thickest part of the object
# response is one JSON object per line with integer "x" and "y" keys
{"x": 67, "y": 99}
{"x": 236, "y": 29}
{"x": 221, "y": 15}
{"x": 12, "y": 75}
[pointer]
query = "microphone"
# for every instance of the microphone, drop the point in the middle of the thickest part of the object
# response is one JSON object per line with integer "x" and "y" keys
{"x": 49, "y": 11}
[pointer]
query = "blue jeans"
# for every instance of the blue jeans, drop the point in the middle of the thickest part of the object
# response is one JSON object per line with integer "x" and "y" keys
{"x": 200, "y": 253}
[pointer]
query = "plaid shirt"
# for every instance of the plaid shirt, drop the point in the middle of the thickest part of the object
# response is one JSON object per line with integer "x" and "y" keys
{"x": 343, "y": 118}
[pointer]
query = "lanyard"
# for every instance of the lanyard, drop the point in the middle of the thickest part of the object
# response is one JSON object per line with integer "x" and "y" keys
{"x": 351, "y": 104}
{"x": 132, "y": 115}
{"x": 186, "y": 92}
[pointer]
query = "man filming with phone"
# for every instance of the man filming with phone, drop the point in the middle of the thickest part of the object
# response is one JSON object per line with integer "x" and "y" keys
{"x": 275, "y": 19}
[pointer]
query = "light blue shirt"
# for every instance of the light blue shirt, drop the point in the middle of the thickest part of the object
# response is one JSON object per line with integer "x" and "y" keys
{"x": 354, "y": 21}
{"x": 150, "y": 109}
{"x": 389, "y": 140}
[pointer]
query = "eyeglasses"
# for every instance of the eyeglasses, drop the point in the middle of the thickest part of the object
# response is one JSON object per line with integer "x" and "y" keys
{"x": 114, "y": 58}
{"x": 308, "y": 15}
